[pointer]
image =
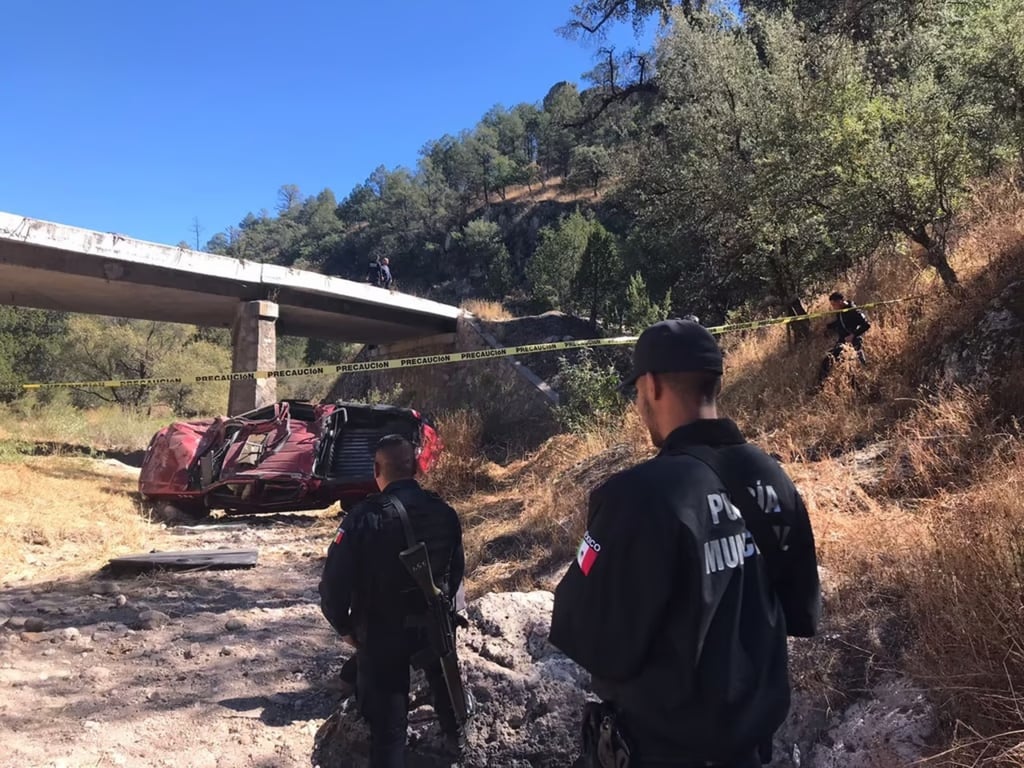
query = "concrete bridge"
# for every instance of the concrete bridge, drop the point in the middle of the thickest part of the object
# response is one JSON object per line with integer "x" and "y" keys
{"x": 44, "y": 265}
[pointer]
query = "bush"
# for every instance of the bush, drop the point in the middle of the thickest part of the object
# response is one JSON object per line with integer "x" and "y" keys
{"x": 588, "y": 392}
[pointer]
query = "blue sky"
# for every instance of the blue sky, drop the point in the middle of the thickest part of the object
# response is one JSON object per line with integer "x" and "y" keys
{"x": 134, "y": 117}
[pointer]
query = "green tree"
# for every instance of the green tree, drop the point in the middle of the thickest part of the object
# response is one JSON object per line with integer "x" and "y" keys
{"x": 118, "y": 348}
{"x": 919, "y": 168}
{"x": 482, "y": 242}
{"x": 742, "y": 195}
{"x": 987, "y": 40}
{"x": 599, "y": 276}
{"x": 500, "y": 275}
{"x": 562, "y": 108}
{"x": 589, "y": 166}
{"x": 30, "y": 343}
{"x": 217, "y": 244}
{"x": 639, "y": 311}
{"x": 552, "y": 269}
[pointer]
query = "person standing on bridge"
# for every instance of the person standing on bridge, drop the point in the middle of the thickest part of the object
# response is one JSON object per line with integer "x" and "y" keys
{"x": 385, "y": 273}
{"x": 694, "y": 567}
{"x": 372, "y": 602}
{"x": 373, "y": 272}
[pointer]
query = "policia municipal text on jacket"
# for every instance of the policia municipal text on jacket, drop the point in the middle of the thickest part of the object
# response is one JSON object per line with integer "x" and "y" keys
{"x": 694, "y": 568}
{"x": 369, "y": 598}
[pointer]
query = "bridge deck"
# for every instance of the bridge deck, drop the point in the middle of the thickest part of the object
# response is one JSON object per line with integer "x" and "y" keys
{"x": 54, "y": 266}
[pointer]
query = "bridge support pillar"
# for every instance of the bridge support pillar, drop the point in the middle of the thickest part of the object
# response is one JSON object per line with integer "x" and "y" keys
{"x": 253, "y": 348}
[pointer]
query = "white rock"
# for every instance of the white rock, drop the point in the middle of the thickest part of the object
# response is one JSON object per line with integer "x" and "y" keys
{"x": 527, "y": 703}
{"x": 892, "y": 726}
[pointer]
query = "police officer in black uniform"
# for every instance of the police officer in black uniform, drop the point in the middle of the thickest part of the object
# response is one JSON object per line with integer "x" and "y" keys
{"x": 370, "y": 599}
{"x": 849, "y": 327}
{"x": 694, "y": 567}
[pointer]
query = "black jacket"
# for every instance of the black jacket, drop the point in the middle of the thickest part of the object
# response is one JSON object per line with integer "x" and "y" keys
{"x": 671, "y": 607}
{"x": 364, "y": 583}
{"x": 850, "y": 322}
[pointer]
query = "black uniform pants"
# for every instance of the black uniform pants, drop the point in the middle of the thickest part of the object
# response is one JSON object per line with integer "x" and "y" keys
{"x": 836, "y": 353}
{"x": 382, "y": 691}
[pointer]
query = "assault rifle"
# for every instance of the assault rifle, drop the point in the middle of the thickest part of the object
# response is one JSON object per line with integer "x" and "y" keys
{"x": 440, "y": 626}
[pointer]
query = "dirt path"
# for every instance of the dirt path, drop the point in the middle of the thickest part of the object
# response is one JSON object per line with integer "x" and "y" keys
{"x": 227, "y": 672}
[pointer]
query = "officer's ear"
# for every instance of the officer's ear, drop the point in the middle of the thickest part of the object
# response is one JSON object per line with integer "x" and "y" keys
{"x": 655, "y": 387}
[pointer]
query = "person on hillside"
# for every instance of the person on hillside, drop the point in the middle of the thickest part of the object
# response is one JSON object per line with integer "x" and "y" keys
{"x": 849, "y": 326}
{"x": 694, "y": 567}
{"x": 372, "y": 602}
{"x": 373, "y": 272}
{"x": 385, "y": 273}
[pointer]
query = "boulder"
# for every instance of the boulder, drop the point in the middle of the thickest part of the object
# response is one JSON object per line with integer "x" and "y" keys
{"x": 892, "y": 726}
{"x": 527, "y": 696}
{"x": 979, "y": 356}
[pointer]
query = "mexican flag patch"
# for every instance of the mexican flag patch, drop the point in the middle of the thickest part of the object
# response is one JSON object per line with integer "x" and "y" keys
{"x": 586, "y": 555}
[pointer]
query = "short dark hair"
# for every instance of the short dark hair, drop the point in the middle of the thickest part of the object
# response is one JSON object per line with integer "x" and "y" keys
{"x": 836, "y": 296}
{"x": 397, "y": 455}
{"x": 707, "y": 385}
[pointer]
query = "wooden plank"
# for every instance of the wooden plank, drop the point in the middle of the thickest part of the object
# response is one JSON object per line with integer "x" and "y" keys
{"x": 188, "y": 560}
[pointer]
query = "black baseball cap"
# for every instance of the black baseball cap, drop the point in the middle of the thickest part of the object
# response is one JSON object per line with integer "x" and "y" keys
{"x": 674, "y": 346}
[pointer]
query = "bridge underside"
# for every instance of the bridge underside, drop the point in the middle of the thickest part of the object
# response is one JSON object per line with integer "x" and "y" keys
{"x": 41, "y": 278}
{"x": 44, "y": 265}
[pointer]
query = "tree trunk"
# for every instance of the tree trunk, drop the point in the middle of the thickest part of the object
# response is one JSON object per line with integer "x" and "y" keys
{"x": 799, "y": 330}
{"x": 935, "y": 255}
{"x": 784, "y": 283}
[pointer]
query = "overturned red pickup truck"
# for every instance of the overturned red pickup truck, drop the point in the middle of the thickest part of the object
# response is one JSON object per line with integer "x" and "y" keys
{"x": 288, "y": 456}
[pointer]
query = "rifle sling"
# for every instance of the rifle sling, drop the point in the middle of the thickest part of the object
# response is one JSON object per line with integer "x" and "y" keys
{"x": 399, "y": 507}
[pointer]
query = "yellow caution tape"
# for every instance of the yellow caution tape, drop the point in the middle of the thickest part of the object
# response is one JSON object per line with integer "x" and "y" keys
{"x": 427, "y": 360}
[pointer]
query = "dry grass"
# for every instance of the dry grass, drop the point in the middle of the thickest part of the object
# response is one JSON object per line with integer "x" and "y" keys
{"x": 63, "y": 515}
{"x": 62, "y": 512}
{"x": 967, "y": 602}
{"x": 462, "y": 469}
{"x": 914, "y": 493}
{"x": 67, "y": 428}
{"x": 553, "y": 189}
{"x": 521, "y": 531}
{"x": 923, "y": 544}
{"x": 487, "y": 310}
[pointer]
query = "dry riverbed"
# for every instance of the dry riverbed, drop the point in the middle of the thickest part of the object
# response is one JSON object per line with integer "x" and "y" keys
{"x": 197, "y": 669}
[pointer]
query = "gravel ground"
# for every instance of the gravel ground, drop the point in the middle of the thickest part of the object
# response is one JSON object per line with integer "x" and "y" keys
{"x": 214, "y": 668}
